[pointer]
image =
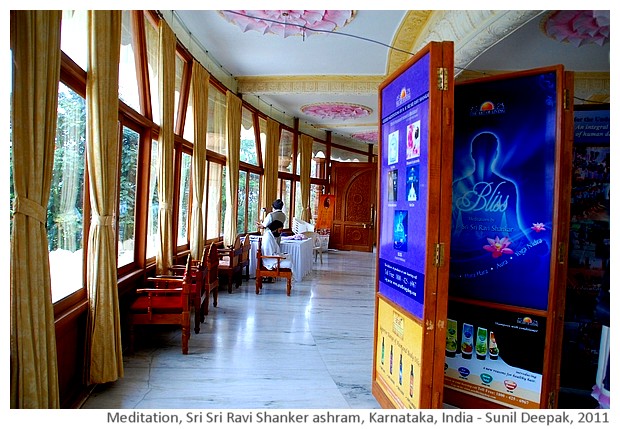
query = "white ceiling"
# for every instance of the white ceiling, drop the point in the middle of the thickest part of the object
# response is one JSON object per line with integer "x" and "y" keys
{"x": 285, "y": 74}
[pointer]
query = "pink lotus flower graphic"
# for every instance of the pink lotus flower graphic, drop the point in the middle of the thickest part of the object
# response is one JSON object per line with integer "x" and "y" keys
{"x": 538, "y": 227}
{"x": 498, "y": 247}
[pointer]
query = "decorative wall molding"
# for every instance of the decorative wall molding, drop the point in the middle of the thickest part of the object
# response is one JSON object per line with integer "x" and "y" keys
{"x": 473, "y": 32}
{"x": 406, "y": 36}
{"x": 309, "y": 84}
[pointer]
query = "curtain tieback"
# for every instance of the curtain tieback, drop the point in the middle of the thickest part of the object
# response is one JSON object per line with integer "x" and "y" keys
{"x": 30, "y": 208}
{"x": 103, "y": 220}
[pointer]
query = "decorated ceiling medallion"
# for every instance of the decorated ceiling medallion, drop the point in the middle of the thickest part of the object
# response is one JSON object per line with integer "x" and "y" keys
{"x": 578, "y": 27}
{"x": 287, "y": 23}
{"x": 341, "y": 111}
{"x": 367, "y": 136}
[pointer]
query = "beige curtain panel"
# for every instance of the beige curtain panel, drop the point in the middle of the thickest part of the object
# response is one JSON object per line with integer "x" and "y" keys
{"x": 270, "y": 164}
{"x": 233, "y": 133}
{"x": 200, "y": 94}
{"x": 305, "y": 163}
{"x": 167, "y": 56}
{"x": 102, "y": 157}
{"x": 35, "y": 43}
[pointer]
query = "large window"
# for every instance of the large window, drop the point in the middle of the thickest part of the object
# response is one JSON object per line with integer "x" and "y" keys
{"x": 183, "y": 219}
{"x": 213, "y": 200}
{"x": 65, "y": 209}
{"x": 284, "y": 191}
{"x": 241, "y": 210}
{"x": 128, "y": 186}
{"x": 152, "y": 228}
{"x": 127, "y": 79}
{"x": 248, "y": 152}
{"x": 285, "y": 155}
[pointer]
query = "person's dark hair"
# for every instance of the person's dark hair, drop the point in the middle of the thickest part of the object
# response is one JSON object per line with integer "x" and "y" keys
{"x": 275, "y": 225}
{"x": 277, "y": 204}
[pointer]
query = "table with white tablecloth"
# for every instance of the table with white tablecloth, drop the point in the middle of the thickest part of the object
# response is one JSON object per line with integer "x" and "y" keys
{"x": 300, "y": 252}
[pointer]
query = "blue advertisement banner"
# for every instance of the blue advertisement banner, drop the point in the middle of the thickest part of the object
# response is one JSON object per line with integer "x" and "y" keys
{"x": 404, "y": 172}
{"x": 502, "y": 194}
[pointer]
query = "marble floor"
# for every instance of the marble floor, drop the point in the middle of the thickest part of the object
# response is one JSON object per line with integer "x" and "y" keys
{"x": 312, "y": 350}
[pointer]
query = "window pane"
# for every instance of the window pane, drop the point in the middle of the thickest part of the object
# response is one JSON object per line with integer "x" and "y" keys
{"x": 178, "y": 80}
{"x": 152, "y": 52}
{"x": 299, "y": 209}
{"x": 127, "y": 79}
{"x": 188, "y": 128}
{"x": 344, "y": 155}
{"x": 242, "y": 198}
{"x": 183, "y": 220}
{"x": 223, "y": 193}
{"x": 317, "y": 167}
{"x": 127, "y": 199}
{"x": 73, "y": 39}
{"x": 286, "y": 197}
{"x": 65, "y": 223}
{"x": 262, "y": 123}
{"x": 248, "y": 139}
{"x": 152, "y": 238}
{"x": 253, "y": 201}
{"x": 216, "y": 123}
{"x": 214, "y": 200}
{"x": 286, "y": 152}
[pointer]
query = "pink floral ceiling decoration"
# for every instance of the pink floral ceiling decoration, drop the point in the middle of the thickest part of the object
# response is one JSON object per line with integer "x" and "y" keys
{"x": 578, "y": 27}
{"x": 367, "y": 136}
{"x": 287, "y": 23}
{"x": 341, "y": 111}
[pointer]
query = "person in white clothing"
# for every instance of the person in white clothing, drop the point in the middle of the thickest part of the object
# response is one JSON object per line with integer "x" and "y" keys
{"x": 275, "y": 214}
{"x": 270, "y": 246}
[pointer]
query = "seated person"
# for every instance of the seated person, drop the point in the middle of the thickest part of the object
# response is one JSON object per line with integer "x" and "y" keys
{"x": 269, "y": 246}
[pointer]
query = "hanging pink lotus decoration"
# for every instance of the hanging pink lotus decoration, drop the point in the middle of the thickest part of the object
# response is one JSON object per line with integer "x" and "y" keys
{"x": 368, "y": 136}
{"x": 578, "y": 27}
{"x": 341, "y": 111}
{"x": 287, "y": 23}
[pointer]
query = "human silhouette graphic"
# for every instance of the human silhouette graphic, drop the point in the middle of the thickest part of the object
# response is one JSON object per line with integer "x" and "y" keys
{"x": 485, "y": 205}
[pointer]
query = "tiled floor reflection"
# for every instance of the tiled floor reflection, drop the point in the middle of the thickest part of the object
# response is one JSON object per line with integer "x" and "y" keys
{"x": 311, "y": 350}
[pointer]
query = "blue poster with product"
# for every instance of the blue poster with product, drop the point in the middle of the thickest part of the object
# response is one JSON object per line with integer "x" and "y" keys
{"x": 503, "y": 190}
{"x": 404, "y": 167}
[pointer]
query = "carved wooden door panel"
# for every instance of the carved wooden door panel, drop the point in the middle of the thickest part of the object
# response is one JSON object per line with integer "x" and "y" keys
{"x": 355, "y": 189}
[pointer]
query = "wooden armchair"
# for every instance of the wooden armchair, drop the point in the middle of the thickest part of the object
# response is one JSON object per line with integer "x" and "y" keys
{"x": 277, "y": 272}
{"x": 167, "y": 302}
{"x": 244, "y": 259}
{"x": 199, "y": 293}
{"x": 229, "y": 267}
{"x": 212, "y": 281}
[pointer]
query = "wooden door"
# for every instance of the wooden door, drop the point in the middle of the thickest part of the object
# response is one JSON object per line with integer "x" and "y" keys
{"x": 354, "y": 186}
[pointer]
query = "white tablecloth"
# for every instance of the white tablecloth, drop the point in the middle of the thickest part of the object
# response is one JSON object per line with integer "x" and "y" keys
{"x": 299, "y": 251}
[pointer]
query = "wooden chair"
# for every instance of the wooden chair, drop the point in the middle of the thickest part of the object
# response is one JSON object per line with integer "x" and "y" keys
{"x": 229, "y": 264}
{"x": 199, "y": 293}
{"x": 166, "y": 303}
{"x": 212, "y": 280}
{"x": 244, "y": 259}
{"x": 277, "y": 272}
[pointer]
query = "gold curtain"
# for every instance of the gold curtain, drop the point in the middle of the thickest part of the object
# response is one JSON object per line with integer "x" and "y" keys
{"x": 35, "y": 43}
{"x": 270, "y": 164}
{"x": 105, "y": 354}
{"x": 200, "y": 93}
{"x": 233, "y": 134}
{"x": 305, "y": 158}
{"x": 167, "y": 55}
